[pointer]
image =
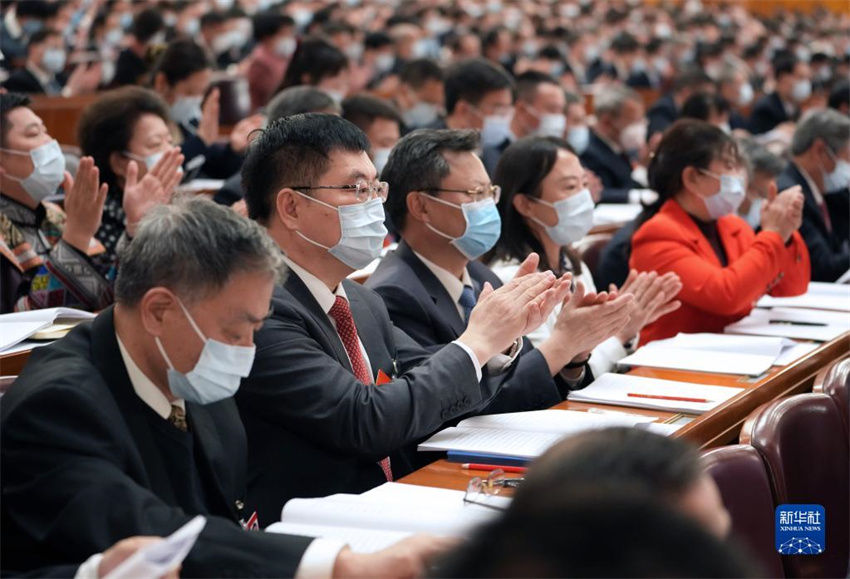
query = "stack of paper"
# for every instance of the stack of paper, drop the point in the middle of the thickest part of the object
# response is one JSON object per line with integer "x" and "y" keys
{"x": 715, "y": 353}
{"x": 798, "y": 323}
{"x": 820, "y": 296}
{"x": 382, "y": 516}
{"x": 640, "y": 392}
{"x": 523, "y": 434}
{"x": 19, "y": 326}
{"x": 608, "y": 213}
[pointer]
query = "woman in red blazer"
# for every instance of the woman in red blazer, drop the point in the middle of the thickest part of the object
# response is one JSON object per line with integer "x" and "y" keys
{"x": 692, "y": 230}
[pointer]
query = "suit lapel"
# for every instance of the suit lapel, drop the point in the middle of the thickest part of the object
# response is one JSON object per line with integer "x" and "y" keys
{"x": 107, "y": 357}
{"x": 446, "y": 307}
{"x": 368, "y": 329}
{"x": 206, "y": 436}
{"x": 332, "y": 341}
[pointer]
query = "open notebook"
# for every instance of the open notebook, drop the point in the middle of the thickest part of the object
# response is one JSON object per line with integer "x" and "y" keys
{"x": 641, "y": 392}
{"x": 52, "y": 323}
{"x": 384, "y": 515}
{"x": 524, "y": 434}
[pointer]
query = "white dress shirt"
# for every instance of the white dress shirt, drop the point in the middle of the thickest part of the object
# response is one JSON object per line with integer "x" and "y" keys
{"x": 326, "y": 298}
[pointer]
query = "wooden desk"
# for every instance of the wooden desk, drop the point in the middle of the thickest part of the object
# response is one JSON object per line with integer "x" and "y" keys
{"x": 12, "y": 364}
{"x": 715, "y": 428}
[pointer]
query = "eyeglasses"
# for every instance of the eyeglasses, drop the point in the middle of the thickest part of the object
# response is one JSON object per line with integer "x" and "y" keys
{"x": 480, "y": 490}
{"x": 479, "y": 193}
{"x": 363, "y": 191}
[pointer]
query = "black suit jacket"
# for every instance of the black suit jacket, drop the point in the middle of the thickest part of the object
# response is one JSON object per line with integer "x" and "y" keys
{"x": 304, "y": 409}
{"x": 614, "y": 169}
{"x": 420, "y": 305}
{"x": 22, "y": 80}
{"x": 661, "y": 115}
{"x": 491, "y": 154}
{"x": 828, "y": 251}
{"x": 767, "y": 113}
{"x": 81, "y": 469}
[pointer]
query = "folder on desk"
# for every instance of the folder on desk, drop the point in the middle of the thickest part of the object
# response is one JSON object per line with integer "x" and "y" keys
{"x": 641, "y": 392}
{"x": 800, "y": 324}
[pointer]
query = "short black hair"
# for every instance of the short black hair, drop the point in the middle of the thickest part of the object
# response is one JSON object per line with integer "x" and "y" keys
{"x": 146, "y": 24}
{"x": 106, "y": 126}
{"x": 375, "y": 40}
{"x": 39, "y": 9}
{"x": 41, "y": 35}
{"x": 472, "y": 79}
{"x": 315, "y": 58}
{"x": 212, "y": 18}
{"x": 9, "y": 101}
{"x": 417, "y": 72}
{"x": 181, "y": 58}
{"x": 294, "y": 151}
{"x": 269, "y": 23}
{"x": 298, "y": 100}
{"x": 363, "y": 109}
{"x": 702, "y": 105}
{"x": 840, "y": 94}
{"x": 570, "y": 533}
{"x": 624, "y": 43}
{"x": 784, "y": 64}
{"x": 527, "y": 83}
{"x": 417, "y": 163}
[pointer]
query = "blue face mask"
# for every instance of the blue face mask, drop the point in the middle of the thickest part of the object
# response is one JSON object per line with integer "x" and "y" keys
{"x": 217, "y": 373}
{"x": 575, "y": 217}
{"x": 362, "y": 232}
{"x": 728, "y": 199}
{"x": 483, "y": 227}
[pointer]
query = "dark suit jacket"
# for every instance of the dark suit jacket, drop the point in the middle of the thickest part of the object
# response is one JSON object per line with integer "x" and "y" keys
{"x": 420, "y": 305}
{"x": 828, "y": 251}
{"x": 304, "y": 409}
{"x": 661, "y": 115}
{"x": 221, "y": 161}
{"x": 491, "y": 155}
{"x": 767, "y": 113}
{"x": 614, "y": 169}
{"x": 614, "y": 260}
{"x": 24, "y": 81}
{"x": 81, "y": 469}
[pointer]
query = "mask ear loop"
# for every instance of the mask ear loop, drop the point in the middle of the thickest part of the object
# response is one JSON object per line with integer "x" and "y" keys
{"x": 23, "y": 154}
{"x": 450, "y": 204}
{"x": 320, "y": 202}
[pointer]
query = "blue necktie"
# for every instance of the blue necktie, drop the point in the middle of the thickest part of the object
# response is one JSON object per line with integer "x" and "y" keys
{"x": 467, "y": 301}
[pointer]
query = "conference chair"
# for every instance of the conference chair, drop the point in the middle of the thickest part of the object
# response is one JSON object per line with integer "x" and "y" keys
{"x": 741, "y": 475}
{"x": 834, "y": 381}
{"x": 808, "y": 461}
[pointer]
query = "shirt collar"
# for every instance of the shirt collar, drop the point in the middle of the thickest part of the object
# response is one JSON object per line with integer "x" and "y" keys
{"x": 611, "y": 144}
{"x": 453, "y": 285}
{"x": 816, "y": 192}
{"x": 145, "y": 388}
{"x": 317, "y": 287}
{"x": 42, "y": 77}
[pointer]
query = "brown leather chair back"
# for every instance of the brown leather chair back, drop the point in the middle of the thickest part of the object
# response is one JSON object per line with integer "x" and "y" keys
{"x": 590, "y": 249}
{"x": 802, "y": 442}
{"x": 234, "y": 99}
{"x": 741, "y": 476}
{"x": 834, "y": 381}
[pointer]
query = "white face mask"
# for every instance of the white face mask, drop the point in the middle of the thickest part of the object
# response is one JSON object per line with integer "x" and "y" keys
{"x": 579, "y": 138}
{"x": 839, "y": 178}
{"x": 550, "y": 124}
{"x": 753, "y": 216}
{"x": 633, "y": 137}
{"x": 48, "y": 164}
{"x": 380, "y": 158}
{"x": 217, "y": 373}
{"x": 802, "y": 90}
{"x": 575, "y": 217}
{"x": 728, "y": 198}
{"x": 496, "y": 129}
{"x": 745, "y": 94}
{"x": 54, "y": 60}
{"x": 336, "y": 95}
{"x": 384, "y": 63}
{"x": 420, "y": 115}
{"x": 285, "y": 47}
{"x": 151, "y": 160}
{"x": 185, "y": 110}
{"x": 362, "y": 232}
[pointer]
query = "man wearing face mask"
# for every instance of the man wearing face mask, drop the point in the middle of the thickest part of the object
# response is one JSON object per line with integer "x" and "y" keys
{"x": 793, "y": 87}
{"x": 336, "y": 389}
{"x": 820, "y": 164}
{"x": 619, "y": 124}
{"x": 381, "y": 122}
{"x": 49, "y": 256}
{"x": 128, "y": 427}
{"x": 539, "y": 110}
{"x": 148, "y": 29}
{"x": 447, "y": 216}
{"x": 735, "y": 87}
{"x": 420, "y": 96}
{"x": 43, "y": 72}
{"x": 274, "y": 37}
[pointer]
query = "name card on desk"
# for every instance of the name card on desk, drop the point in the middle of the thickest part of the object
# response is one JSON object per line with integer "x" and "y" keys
{"x": 641, "y": 392}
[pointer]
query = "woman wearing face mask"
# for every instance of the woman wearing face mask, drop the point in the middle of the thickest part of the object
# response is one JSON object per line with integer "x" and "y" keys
{"x": 692, "y": 230}
{"x": 182, "y": 77}
{"x": 545, "y": 208}
{"x": 126, "y": 132}
{"x": 48, "y": 257}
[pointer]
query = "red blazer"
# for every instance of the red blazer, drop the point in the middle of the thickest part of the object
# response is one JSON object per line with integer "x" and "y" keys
{"x": 714, "y": 296}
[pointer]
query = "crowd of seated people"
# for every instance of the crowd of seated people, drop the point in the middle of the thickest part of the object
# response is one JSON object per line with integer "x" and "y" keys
{"x": 450, "y": 156}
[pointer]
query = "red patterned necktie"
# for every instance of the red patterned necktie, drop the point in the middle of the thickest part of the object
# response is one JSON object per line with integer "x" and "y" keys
{"x": 341, "y": 314}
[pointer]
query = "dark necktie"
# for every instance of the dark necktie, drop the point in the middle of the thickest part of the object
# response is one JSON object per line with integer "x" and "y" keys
{"x": 341, "y": 314}
{"x": 467, "y": 301}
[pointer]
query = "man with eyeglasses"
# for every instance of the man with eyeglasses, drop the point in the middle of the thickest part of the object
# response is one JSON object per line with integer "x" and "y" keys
{"x": 444, "y": 205}
{"x": 337, "y": 392}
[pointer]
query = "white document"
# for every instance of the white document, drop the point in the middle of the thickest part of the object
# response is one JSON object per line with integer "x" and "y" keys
{"x": 809, "y": 316}
{"x": 158, "y": 558}
{"x": 607, "y": 213}
{"x": 845, "y": 278}
{"x": 359, "y": 539}
{"x": 11, "y": 333}
{"x": 523, "y": 434}
{"x": 794, "y": 353}
{"x": 713, "y": 353}
{"x": 24, "y": 346}
{"x": 640, "y": 392}
{"x": 49, "y": 315}
{"x": 820, "y": 288}
{"x": 820, "y": 296}
{"x": 765, "y": 323}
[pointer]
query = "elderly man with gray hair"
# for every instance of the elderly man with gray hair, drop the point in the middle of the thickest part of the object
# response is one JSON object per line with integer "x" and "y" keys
{"x": 820, "y": 164}
{"x": 620, "y": 131}
{"x": 128, "y": 427}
